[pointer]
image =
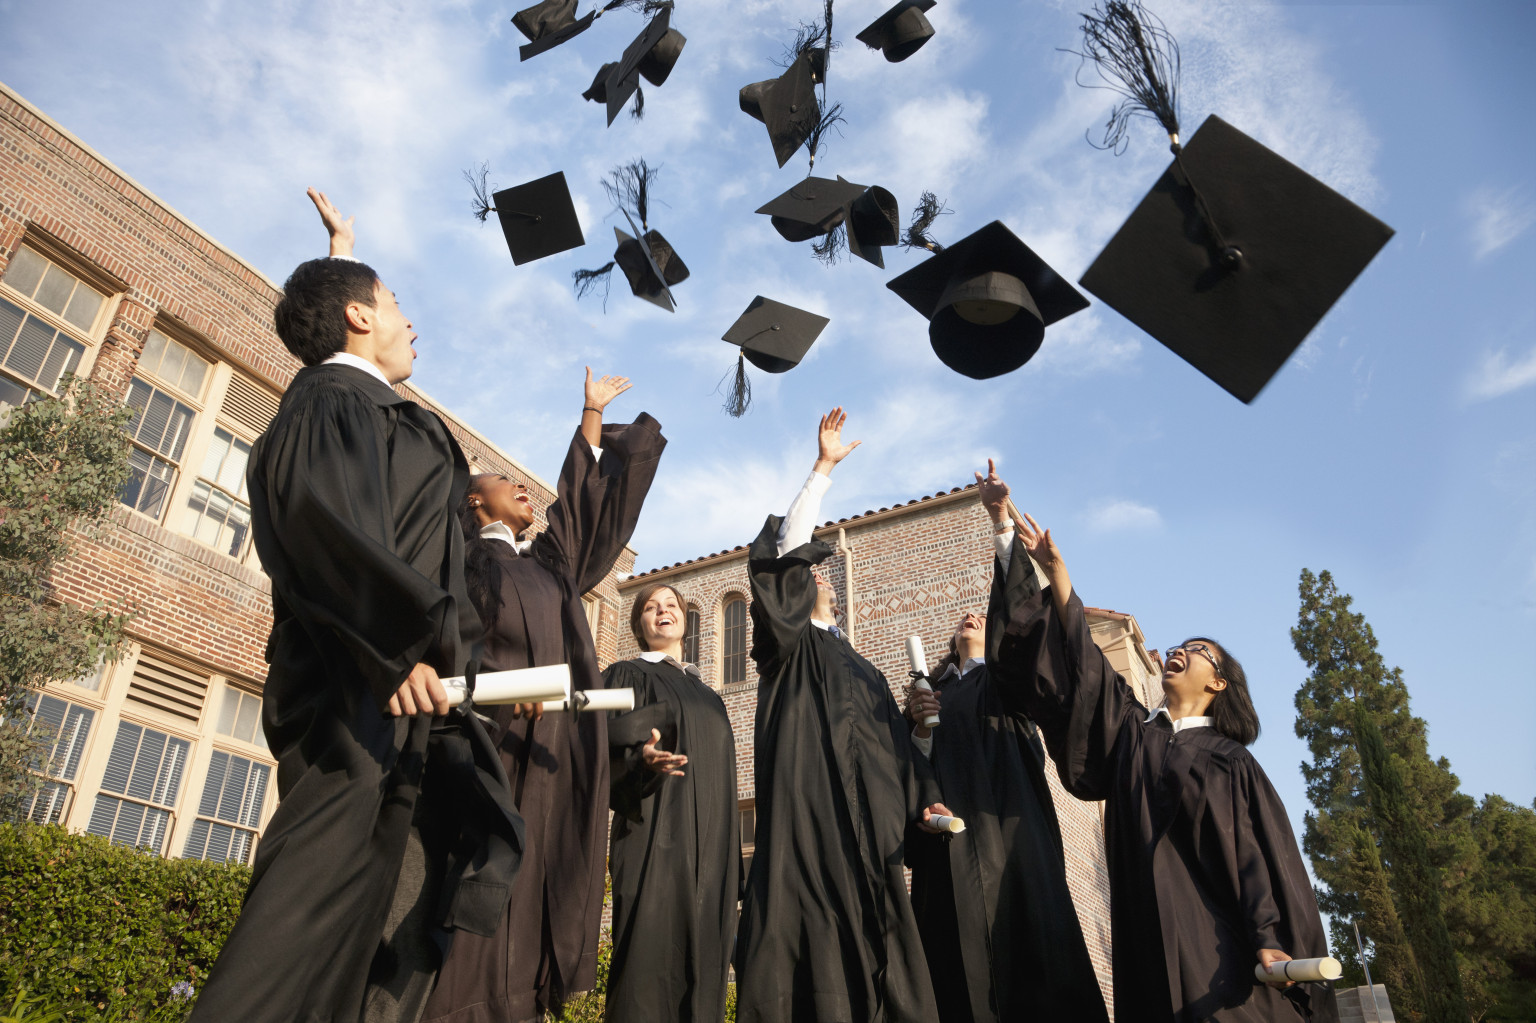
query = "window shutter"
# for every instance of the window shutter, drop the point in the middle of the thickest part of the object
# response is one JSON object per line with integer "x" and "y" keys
{"x": 168, "y": 688}
{"x": 250, "y": 405}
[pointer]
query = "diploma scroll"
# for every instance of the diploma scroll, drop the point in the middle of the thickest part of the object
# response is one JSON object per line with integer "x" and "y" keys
{"x": 594, "y": 699}
{"x": 953, "y": 825}
{"x": 525, "y": 685}
{"x": 919, "y": 662}
{"x": 1326, "y": 968}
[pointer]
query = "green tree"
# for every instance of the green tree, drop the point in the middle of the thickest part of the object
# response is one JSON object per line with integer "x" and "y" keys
{"x": 62, "y": 462}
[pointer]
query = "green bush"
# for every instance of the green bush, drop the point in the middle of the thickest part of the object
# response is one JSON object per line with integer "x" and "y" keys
{"x": 104, "y": 932}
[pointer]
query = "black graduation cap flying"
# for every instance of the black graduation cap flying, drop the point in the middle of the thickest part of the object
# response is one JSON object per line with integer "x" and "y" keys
{"x": 988, "y": 297}
{"x": 647, "y": 259}
{"x": 837, "y": 213}
{"x": 652, "y": 55}
{"x": 788, "y": 105}
{"x": 774, "y": 337}
{"x": 900, "y": 31}
{"x": 1235, "y": 254}
{"x": 537, "y": 217}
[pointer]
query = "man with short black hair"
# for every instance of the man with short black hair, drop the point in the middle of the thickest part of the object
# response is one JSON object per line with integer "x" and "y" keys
{"x": 394, "y": 826}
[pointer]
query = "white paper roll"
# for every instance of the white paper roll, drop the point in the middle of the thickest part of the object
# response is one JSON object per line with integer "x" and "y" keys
{"x": 1326, "y": 968}
{"x": 524, "y": 685}
{"x": 919, "y": 661}
{"x": 595, "y": 699}
{"x": 953, "y": 825}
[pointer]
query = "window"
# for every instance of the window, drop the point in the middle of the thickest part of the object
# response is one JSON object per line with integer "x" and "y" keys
{"x": 35, "y": 352}
{"x": 219, "y": 511}
{"x": 746, "y": 813}
{"x": 66, "y": 727}
{"x": 230, "y": 811}
{"x": 159, "y": 428}
{"x": 138, "y": 793}
{"x": 173, "y": 363}
{"x": 691, "y": 636}
{"x": 734, "y": 662}
{"x": 240, "y": 717}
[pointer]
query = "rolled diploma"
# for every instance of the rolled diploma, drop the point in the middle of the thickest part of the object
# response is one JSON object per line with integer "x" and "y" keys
{"x": 919, "y": 663}
{"x": 524, "y": 685}
{"x": 1326, "y": 968}
{"x": 953, "y": 825}
{"x": 595, "y": 699}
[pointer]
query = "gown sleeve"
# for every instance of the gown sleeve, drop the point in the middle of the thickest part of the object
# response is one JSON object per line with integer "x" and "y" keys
{"x": 326, "y": 485}
{"x": 1049, "y": 668}
{"x": 630, "y": 781}
{"x": 783, "y": 594}
{"x": 597, "y": 501}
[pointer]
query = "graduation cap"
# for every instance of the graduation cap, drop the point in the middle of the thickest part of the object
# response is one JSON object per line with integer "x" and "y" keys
{"x": 648, "y": 261}
{"x": 550, "y": 23}
{"x": 988, "y": 299}
{"x": 1235, "y": 254}
{"x": 900, "y": 31}
{"x": 787, "y": 105}
{"x": 651, "y": 55}
{"x": 538, "y": 217}
{"x": 774, "y": 337}
{"x": 836, "y": 211}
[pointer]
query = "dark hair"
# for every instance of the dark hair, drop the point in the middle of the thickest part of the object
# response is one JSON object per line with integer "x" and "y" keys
{"x": 482, "y": 575}
{"x": 1232, "y": 708}
{"x": 311, "y": 317}
{"x": 646, "y": 592}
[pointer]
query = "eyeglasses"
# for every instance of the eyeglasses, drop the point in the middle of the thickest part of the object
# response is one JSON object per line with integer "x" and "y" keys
{"x": 1193, "y": 648}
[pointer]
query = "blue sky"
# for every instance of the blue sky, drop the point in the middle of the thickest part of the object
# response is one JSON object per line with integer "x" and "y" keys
{"x": 1398, "y": 448}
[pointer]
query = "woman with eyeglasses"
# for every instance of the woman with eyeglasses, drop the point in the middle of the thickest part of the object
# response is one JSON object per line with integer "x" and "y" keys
{"x": 1206, "y": 881}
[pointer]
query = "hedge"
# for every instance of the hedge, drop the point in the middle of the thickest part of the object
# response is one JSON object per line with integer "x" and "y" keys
{"x": 101, "y": 931}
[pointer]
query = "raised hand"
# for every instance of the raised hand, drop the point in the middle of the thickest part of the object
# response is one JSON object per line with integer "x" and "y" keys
{"x": 661, "y": 761}
{"x": 994, "y": 492}
{"x": 601, "y": 391}
{"x": 342, "y": 238}
{"x": 1047, "y": 555}
{"x": 829, "y": 440}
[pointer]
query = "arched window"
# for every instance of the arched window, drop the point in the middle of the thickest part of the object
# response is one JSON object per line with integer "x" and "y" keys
{"x": 691, "y": 636}
{"x": 734, "y": 663}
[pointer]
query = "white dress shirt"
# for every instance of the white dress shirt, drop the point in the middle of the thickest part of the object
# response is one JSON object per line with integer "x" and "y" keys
{"x": 803, "y": 512}
{"x": 358, "y": 362}
{"x": 499, "y": 530}
{"x": 1181, "y": 723}
{"x": 657, "y": 657}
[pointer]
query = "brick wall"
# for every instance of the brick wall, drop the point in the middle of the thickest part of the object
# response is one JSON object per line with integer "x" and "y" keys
{"x": 917, "y": 568}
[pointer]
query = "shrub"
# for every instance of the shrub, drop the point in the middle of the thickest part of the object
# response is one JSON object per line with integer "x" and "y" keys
{"x": 101, "y": 931}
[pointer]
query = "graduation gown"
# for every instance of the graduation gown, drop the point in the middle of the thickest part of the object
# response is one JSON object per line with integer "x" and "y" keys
{"x": 827, "y": 932}
{"x": 354, "y": 493}
{"x": 675, "y": 853}
{"x": 1203, "y": 865}
{"x": 546, "y": 947}
{"x": 1000, "y": 930}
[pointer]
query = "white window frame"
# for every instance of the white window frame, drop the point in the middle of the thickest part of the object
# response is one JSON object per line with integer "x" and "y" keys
{"x": 85, "y": 276}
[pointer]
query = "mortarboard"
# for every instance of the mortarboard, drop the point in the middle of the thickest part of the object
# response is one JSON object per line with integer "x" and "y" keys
{"x": 787, "y": 105}
{"x": 774, "y": 337}
{"x": 1234, "y": 306}
{"x": 537, "y": 217}
{"x": 834, "y": 209}
{"x": 900, "y": 31}
{"x": 550, "y": 23}
{"x": 1235, "y": 254}
{"x": 988, "y": 299}
{"x": 649, "y": 262}
{"x": 652, "y": 55}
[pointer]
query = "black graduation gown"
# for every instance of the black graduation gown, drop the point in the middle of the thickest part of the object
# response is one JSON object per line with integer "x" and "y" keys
{"x": 998, "y": 924}
{"x": 557, "y": 766}
{"x": 354, "y": 493}
{"x": 827, "y": 932}
{"x": 675, "y": 854}
{"x": 1203, "y": 866}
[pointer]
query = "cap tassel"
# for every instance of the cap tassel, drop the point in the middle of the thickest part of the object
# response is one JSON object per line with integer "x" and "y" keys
{"x": 1137, "y": 57}
{"x": 739, "y": 398}
{"x": 586, "y": 281}
{"x": 831, "y": 245}
{"x": 928, "y": 209}
{"x": 477, "y": 181}
{"x": 628, "y": 187}
{"x": 831, "y": 118}
{"x": 638, "y": 110}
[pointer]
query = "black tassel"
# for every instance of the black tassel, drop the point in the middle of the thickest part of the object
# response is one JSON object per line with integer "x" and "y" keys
{"x": 1137, "y": 57}
{"x": 739, "y": 398}
{"x": 928, "y": 209}
{"x": 585, "y": 281}
{"x": 830, "y": 119}
{"x": 831, "y": 245}
{"x": 477, "y": 181}
{"x": 638, "y": 110}
{"x": 629, "y": 188}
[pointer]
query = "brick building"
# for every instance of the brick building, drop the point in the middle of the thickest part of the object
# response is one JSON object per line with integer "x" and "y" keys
{"x": 912, "y": 569}
{"x": 163, "y": 748}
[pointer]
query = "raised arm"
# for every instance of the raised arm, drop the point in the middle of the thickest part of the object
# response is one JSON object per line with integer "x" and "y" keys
{"x": 340, "y": 230}
{"x": 805, "y": 509}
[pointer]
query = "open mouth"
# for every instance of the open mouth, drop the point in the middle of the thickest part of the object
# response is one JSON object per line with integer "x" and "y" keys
{"x": 523, "y": 498}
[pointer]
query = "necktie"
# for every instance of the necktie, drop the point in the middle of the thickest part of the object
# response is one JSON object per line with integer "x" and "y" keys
{"x": 835, "y": 631}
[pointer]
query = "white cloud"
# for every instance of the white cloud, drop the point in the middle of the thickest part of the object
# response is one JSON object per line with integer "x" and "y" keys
{"x": 1498, "y": 216}
{"x": 1498, "y": 373}
{"x": 1120, "y": 515}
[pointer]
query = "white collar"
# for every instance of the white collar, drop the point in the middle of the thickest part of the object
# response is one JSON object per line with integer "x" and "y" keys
{"x": 358, "y": 362}
{"x": 657, "y": 657}
{"x": 499, "y": 530}
{"x": 1182, "y": 723}
{"x": 971, "y": 663}
{"x": 824, "y": 626}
